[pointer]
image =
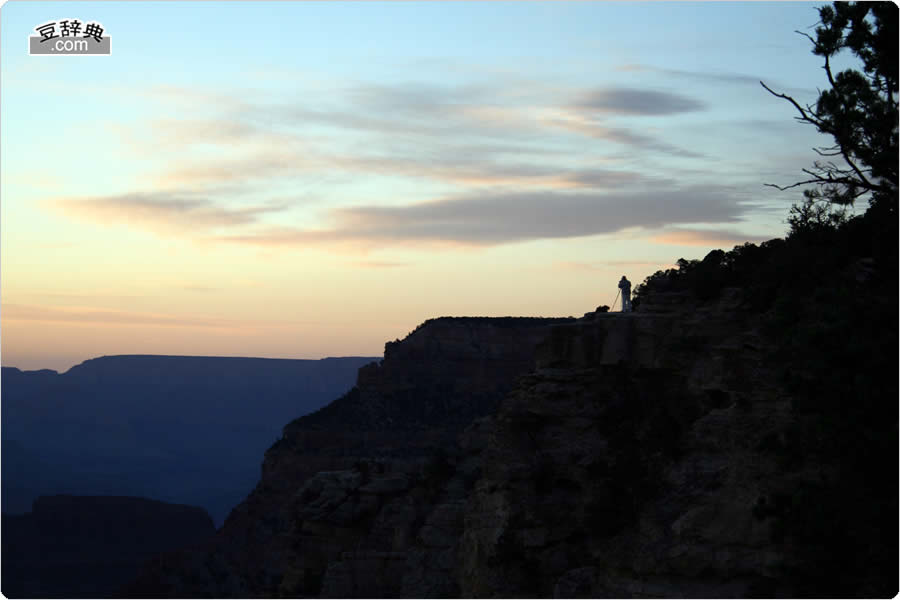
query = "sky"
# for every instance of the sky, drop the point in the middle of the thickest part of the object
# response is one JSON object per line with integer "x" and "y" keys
{"x": 311, "y": 179}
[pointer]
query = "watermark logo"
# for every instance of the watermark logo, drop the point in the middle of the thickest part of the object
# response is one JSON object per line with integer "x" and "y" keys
{"x": 69, "y": 36}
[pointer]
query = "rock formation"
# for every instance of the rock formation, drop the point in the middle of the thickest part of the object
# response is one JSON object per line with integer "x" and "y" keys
{"x": 627, "y": 464}
{"x": 389, "y": 437}
{"x": 617, "y": 455}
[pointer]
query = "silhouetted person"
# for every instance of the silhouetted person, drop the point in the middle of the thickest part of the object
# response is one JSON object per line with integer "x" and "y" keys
{"x": 625, "y": 287}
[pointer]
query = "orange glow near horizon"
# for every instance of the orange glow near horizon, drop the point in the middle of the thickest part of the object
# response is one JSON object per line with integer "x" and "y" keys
{"x": 155, "y": 203}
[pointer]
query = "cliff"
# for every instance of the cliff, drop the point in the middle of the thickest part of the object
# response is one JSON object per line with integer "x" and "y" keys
{"x": 627, "y": 464}
{"x": 403, "y": 413}
{"x": 661, "y": 453}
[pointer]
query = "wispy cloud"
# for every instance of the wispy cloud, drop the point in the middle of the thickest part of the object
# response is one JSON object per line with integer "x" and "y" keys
{"x": 500, "y": 218}
{"x": 102, "y": 316}
{"x": 526, "y": 165}
{"x": 739, "y": 78}
{"x": 637, "y": 102}
{"x": 380, "y": 264}
{"x": 714, "y": 77}
{"x": 609, "y": 265}
{"x": 483, "y": 115}
{"x": 253, "y": 167}
{"x": 164, "y": 211}
{"x": 586, "y": 122}
{"x": 477, "y": 172}
{"x": 621, "y": 135}
{"x": 507, "y": 161}
{"x": 726, "y": 238}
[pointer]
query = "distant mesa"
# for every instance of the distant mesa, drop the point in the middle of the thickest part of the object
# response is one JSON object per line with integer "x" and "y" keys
{"x": 156, "y": 426}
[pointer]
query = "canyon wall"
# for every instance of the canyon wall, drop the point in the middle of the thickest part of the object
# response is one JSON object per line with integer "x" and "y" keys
{"x": 646, "y": 454}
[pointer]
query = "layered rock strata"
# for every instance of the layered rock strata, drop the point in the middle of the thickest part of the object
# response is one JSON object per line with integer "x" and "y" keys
{"x": 617, "y": 455}
{"x": 347, "y": 489}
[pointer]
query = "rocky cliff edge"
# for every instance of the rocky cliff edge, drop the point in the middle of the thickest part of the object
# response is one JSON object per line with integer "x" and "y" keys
{"x": 617, "y": 455}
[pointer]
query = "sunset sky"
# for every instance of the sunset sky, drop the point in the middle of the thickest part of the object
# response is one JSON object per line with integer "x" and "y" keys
{"x": 310, "y": 179}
